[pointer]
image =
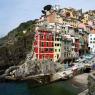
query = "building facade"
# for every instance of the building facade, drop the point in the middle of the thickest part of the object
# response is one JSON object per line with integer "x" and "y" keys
{"x": 91, "y": 42}
{"x": 65, "y": 34}
{"x": 57, "y": 46}
{"x": 44, "y": 45}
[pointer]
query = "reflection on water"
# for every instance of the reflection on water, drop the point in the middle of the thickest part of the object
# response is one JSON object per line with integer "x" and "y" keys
{"x": 58, "y": 88}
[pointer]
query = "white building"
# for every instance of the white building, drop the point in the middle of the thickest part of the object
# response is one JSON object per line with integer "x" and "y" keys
{"x": 91, "y": 42}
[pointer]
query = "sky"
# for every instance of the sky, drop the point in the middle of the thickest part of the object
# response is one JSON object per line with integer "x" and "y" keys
{"x": 14, "y": 12}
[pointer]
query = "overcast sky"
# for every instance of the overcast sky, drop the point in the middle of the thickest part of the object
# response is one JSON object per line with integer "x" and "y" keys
{"x": 13, "y": 12}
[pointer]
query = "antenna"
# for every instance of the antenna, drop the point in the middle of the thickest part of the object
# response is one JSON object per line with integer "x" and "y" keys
{"x": 57, "y": 5}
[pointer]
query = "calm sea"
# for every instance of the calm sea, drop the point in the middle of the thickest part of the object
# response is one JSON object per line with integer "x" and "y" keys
{"x": 22, "y": 88}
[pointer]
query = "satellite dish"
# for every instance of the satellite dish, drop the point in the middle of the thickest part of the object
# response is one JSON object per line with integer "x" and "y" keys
{"x": 48, "y": 7}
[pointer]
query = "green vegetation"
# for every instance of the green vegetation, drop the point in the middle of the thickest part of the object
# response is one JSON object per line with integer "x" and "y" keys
{"x": 15, "y": 46}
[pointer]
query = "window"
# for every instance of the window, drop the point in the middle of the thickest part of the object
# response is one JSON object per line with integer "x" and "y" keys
{"x": 65, "y": 42}
{"x": 63, "y": 27}
{"x": 57, "y": 39}
{"x": 94, "y": 38}
{"x": 42, "y": 44}
{"x": 47, "y": 44}
{"x": 64, "y": 48}
{"x": 55, "y": 50}
{"x": 57, "y": 44}
{"x": 45, "y": 25}
{"x": 41, "y": 49}
{"x": 36, "y": 36}
{"x": 59, "y": 50}
{"x": 43, "y": 57}
{"x": 90, "y": 41}
{"x": 52, "y": 44}
{"x": 73, "y": 44}
{"x": 47, "y": 37}
{"x": 67, "y": 14}
{"x": 46, "y": 49}
{"x": 51, "y": 49}
{"x": 57, "y": 56}
{"x": 42, "y": 37}
{"x": 65, "y": 32}
{"x": 67, "y": 48}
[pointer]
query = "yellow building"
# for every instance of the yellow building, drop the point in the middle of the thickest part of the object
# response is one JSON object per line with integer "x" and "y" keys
{"x": 72, "y": 22}
{"x": 70, "y": 12}
{"x": 85, "y": 18}
{"x": 57, "y": 47}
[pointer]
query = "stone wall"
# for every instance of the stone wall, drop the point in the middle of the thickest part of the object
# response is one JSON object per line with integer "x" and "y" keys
{"x": 91, "y": 84}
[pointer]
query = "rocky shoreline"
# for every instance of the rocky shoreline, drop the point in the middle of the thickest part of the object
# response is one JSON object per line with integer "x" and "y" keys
{"x": 81, "y": 81}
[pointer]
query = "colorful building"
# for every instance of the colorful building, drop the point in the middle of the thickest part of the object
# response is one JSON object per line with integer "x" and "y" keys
{"x": 44, "y": 45}
{"x": 47, "y": 45}
{"x": 91, "y": 41}
{"x": 57, "y": 46}
{"x": 77, "y": 46}
{"x": 67, "y": 52}
{"x": 65, "y": 33}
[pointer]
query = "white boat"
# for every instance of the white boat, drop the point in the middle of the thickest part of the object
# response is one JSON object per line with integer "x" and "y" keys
{"x": 58, "y": 76}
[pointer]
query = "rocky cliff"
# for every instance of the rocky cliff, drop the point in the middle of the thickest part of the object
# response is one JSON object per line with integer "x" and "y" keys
{"x": 15, "y": 46}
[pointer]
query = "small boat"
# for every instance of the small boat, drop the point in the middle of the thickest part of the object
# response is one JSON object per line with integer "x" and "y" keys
{"x": 58, "y": 76}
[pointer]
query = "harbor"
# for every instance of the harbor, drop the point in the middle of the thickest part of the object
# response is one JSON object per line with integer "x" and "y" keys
{"x": 72, "y": 81}
{"x": 67, "y": 87}
{"x": 47, "y": 71}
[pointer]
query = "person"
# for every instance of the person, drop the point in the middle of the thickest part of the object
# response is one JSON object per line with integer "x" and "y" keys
{"x": 93, "y": 66}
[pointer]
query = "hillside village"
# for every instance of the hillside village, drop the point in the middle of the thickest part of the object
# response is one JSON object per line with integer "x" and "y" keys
{"x": 64, "y": 34}
{"x": 60, "y": 44}
{"x": 61, "y": 34}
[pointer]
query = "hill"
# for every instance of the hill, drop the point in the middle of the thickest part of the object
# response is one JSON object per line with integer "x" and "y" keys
{"x": 15, "y": 46}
